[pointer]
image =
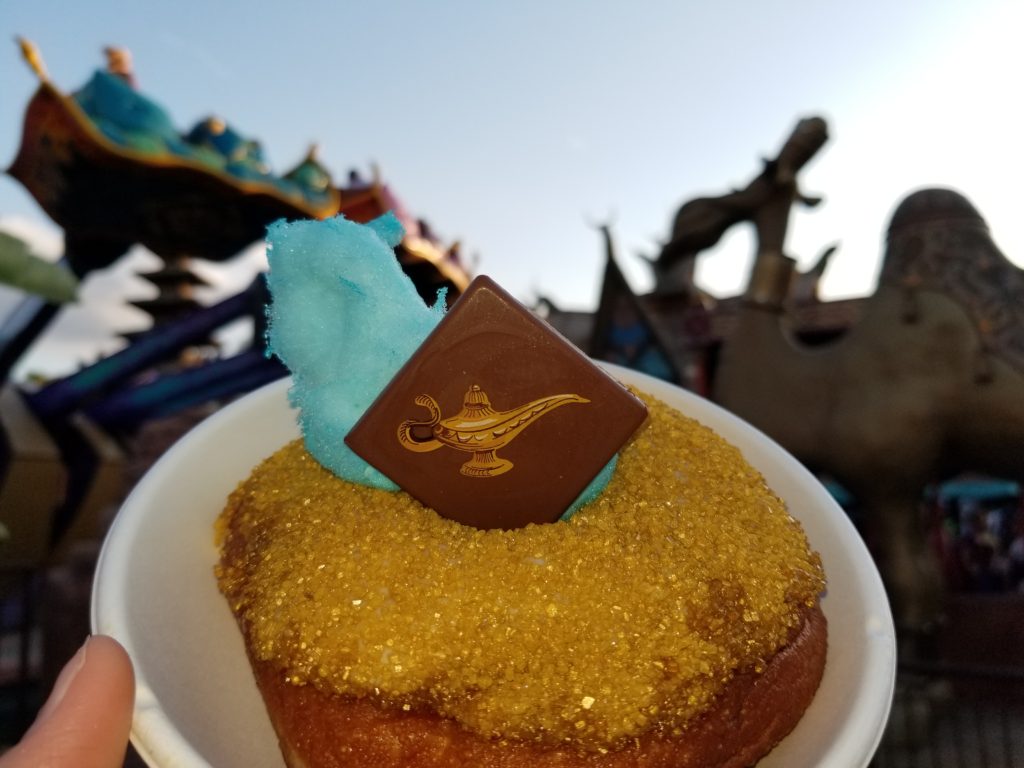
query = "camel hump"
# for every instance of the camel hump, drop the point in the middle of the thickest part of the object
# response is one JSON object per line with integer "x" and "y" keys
{"x": 935, "y": 236}
{"x": 933, "y": 206}
{"x": 937, "y": 241}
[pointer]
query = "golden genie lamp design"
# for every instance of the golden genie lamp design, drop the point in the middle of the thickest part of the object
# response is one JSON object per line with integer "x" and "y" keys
{"x": 477, "y": 429}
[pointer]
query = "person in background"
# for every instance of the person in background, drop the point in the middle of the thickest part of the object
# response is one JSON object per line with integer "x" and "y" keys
{"x": 119, "y": 63}
{"x": 1015, "y": 550}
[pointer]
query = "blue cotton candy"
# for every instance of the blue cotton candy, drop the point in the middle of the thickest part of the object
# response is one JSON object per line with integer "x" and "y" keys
{"x": 593, "y": 489}
{"x": 344, "y": 319}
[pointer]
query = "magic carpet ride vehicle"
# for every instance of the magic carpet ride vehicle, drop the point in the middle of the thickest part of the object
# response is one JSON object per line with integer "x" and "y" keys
{"x": 107, "y": 164}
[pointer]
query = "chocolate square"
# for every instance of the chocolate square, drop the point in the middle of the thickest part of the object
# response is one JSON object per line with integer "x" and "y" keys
{"x": 496, "y": 421}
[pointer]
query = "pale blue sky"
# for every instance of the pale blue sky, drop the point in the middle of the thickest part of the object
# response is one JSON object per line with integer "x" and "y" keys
{"x": 510, "y": 126}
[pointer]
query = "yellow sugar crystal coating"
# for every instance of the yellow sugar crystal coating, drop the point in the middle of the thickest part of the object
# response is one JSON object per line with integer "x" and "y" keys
{"x": 629, "y": 617}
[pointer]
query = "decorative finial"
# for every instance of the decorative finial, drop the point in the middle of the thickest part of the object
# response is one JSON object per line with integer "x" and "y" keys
{"x": 31, "y": 54}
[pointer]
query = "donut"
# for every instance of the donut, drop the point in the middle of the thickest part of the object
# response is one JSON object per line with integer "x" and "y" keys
{"x": 675, "y": 620}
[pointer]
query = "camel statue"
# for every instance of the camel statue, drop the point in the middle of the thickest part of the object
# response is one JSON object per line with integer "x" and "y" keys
{"x": 700, "y": 223}
{"x": 930, "y": 381}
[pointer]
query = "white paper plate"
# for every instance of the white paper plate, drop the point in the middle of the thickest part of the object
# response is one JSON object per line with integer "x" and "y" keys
{"x": 197, "y": 703}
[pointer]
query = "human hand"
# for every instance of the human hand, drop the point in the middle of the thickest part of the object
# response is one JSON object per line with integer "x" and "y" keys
{"x": 85, "y": 721}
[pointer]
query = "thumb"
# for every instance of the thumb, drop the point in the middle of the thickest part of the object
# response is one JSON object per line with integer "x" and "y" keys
{"x": 86, "y": 720}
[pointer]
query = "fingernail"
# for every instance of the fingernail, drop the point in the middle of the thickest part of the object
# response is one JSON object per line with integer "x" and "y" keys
{"x": 63, "y": 684}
